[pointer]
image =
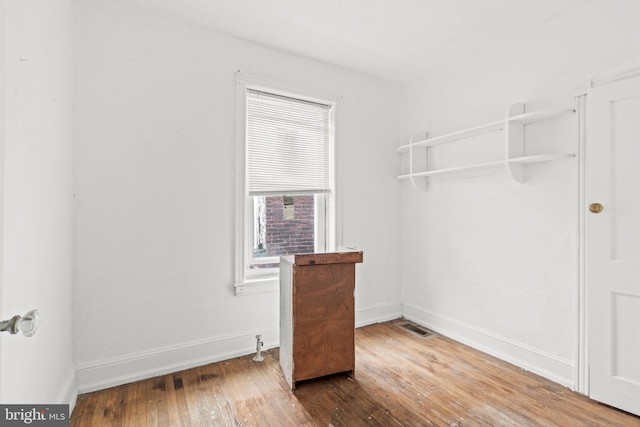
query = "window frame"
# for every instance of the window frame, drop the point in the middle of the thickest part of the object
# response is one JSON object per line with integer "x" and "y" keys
{"x": 246, "y": 282}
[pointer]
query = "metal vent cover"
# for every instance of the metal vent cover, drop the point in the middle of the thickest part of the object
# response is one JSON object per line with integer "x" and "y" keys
{"x": 416, "y": 329}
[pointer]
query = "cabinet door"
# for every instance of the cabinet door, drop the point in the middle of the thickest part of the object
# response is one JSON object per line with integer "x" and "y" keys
{"x": 323, "y": 333}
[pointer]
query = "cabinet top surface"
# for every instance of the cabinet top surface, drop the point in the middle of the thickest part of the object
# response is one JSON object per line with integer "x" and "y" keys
{"x": 324, "y": 258}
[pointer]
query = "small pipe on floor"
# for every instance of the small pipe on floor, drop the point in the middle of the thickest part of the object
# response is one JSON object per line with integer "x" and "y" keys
{"x": 258, "y": 357}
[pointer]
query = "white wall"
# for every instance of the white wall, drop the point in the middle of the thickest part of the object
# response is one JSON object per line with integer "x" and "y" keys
{"x": 36, "y": 80}
{"x": 155, "y": 146}
{"x": 486, "y": 260}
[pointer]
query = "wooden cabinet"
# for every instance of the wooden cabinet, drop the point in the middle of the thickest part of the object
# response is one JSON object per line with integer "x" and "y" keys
{"x": 317, "y": 322}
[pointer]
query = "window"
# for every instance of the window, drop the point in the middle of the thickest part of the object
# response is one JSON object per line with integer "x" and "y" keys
{"x": 287, "y": 191}
{"x": 284, "y": 225}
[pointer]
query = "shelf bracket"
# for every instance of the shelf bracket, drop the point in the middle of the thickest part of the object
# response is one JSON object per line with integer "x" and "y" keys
{"x": 514, "y": 134}
{"x": 422, "y": 183}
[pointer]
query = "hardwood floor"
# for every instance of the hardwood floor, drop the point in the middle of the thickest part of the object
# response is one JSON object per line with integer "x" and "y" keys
{"x": 402, "y": 379}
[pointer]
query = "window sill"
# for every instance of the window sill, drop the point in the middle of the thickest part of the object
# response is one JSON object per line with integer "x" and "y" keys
{"x": 257, "y": 286}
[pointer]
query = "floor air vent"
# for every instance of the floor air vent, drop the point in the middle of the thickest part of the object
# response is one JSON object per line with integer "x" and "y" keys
{"x": 416, "y": 329}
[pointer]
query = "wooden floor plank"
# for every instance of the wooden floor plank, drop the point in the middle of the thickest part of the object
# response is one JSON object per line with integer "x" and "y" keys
{"x": 402, "y": 379}
{"x": 78, "y": 412}
{"x": 136, "y": 407}
{"x": 157, "y": 405}
{"x": 104, "y": 414}
{"x": 221, "y": 404}
{"x": 178, "y": 409}
{"x": 201, "y": 383}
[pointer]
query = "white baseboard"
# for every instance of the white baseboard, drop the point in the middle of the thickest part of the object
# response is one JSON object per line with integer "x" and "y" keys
{"x": 381, "y": 313}
{"x": 553, "y": 367}
{"x": 133, "y": 367}
{"x": 68, "y": 392}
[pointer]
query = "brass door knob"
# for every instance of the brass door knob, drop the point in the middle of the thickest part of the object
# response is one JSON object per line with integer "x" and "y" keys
{"x": 596, "y": 208}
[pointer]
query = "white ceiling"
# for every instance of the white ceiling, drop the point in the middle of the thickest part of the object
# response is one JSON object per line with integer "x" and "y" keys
{"x": 397, "y": 40}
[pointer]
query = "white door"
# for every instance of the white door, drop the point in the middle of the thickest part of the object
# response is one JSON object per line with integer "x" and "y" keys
{"x": 613, "y": 243}
{"x": 3, "y": 41}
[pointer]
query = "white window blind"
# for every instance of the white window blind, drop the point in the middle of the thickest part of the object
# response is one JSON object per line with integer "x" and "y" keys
{"x": 288, "y": 145}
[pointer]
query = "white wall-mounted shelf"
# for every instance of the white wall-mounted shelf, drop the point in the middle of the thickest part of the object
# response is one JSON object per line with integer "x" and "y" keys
{"x": 515, "y": 158}
{"x": 498, "y": 164}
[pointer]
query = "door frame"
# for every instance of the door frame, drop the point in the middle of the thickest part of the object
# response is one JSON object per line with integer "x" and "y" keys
{"x": 3, "y": 54}
{"x": 582, "y": 90}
